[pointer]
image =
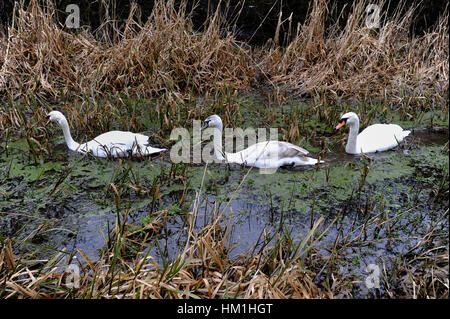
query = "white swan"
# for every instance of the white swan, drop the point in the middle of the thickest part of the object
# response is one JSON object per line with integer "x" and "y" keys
{"x": 375, "y": 138}
{"x": 110, "y": 144}
{"x": 267, "y": 154}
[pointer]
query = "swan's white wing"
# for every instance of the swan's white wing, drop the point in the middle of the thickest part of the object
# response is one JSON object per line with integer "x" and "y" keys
{"x": 290, "y": 150}
{"x": 120, "y": 144}
{"x": 380, "y": 137}
{"x": 272, "y": 149}
{"x": 120, "y": 137}
{"x": 140, "y": 150}
{"x": 271, "y": 154}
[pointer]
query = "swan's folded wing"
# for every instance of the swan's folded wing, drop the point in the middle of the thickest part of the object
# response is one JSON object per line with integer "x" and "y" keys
{"x": 121, "y": 137}
{"x": 290, "y": 150}
{"x": 272, "y": 150}
{"x": 380, "y": 137}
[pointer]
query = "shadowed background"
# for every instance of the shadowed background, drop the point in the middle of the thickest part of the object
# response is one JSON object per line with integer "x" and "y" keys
{"x": 257, "y": 19}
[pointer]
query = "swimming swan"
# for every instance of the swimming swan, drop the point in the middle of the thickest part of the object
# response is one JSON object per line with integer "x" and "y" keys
{"x": 110, "y": 144}
{"x": 267, "y": 154}
{"x": 375, "y": 138}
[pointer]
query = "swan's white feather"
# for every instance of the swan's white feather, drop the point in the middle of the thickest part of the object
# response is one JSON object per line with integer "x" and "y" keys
{"x": 119, "y": 144}
{"x": 375, "y": 138}
{"x": 380, "y": 137}
{"x": 110, "y": 144}
{"x": 271, "y": 154}
{"x": 268, "y": 154}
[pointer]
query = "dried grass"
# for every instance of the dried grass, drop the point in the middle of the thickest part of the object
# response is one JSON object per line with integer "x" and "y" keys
{"x": 202, "y": 270}
{"x": 165, "y": 53}
{"x": 362, "y": 63}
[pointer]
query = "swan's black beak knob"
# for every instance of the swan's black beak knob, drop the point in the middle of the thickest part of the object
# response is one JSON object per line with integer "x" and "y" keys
{"x": 341, "y": 123}
{"x": 205, "y": 125}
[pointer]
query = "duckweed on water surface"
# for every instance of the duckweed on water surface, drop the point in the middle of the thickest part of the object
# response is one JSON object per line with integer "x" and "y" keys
{"x": 77, "y": 199}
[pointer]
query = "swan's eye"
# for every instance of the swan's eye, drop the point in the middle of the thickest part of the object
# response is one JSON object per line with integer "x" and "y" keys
{"x": 48, "y": 117}
{"x": 343, "y": 120}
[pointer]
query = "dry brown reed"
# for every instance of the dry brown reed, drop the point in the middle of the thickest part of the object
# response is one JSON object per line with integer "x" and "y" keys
{"x": 165, "y": 53}
{"x": 359, "y": 62}
{"x": 204, "y": 269}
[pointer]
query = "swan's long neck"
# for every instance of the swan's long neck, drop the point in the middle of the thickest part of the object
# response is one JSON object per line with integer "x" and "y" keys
{"x": 351, "y": 146}
{"x": 74, "y": 146}
{"x": 218, "y": 143}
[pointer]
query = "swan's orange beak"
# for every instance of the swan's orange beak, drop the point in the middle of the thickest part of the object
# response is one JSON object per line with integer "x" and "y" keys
{"x": 46, "y": 123}
{"x": 341, "y": 124}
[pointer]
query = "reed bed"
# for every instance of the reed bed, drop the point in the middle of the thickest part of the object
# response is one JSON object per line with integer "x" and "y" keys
{"x": 164, "y": 54}
{"x": 202, "y": 269}
{"x": 278, "y": 267}
{"x": 40, "y": 56}
{"x": 361, "y": 62}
